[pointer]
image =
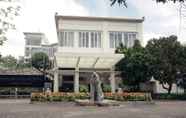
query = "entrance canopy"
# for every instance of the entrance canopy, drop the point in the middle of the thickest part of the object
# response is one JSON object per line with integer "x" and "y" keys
{"x": 87, "y": 60}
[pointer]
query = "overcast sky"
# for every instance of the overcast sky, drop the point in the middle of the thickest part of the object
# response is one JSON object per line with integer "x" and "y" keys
{"x": 38, "y": 16}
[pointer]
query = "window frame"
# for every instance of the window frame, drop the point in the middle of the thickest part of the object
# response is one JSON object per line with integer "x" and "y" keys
{"x": 126, "y": 42}
{"x": 94, "y": 39}
{"x": 66, "y": 41}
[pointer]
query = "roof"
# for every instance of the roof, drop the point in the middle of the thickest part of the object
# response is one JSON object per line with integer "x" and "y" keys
{"x": 121, "y": 19}
{"x": 86, "y": 60}
{"x": 27, "y": 71}
{"x": 33, "y": 33}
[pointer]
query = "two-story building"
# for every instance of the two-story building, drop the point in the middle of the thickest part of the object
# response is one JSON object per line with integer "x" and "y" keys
{"x": 87, "y": 44}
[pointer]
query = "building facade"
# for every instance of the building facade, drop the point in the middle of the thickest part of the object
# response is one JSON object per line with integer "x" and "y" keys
{"x": 87, "y": 44}
{"x": 37, "y": 42}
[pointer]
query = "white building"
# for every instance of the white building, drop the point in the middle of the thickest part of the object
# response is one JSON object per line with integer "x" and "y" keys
{"x": 87, "y": 44}
{"x": 37, "y": 42}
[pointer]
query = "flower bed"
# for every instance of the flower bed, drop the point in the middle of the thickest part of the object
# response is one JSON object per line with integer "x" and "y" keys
{"x": 60, "y": 96}
{"x": 127, "y": 96}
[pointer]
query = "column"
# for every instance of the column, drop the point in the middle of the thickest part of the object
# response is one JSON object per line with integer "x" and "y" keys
{"x": 112, "y": 81}
{"x": 76, "y": 81}
{"x": 56, "y": 81}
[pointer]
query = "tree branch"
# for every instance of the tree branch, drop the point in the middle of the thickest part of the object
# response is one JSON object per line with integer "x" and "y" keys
{"x": 164, "y": 86}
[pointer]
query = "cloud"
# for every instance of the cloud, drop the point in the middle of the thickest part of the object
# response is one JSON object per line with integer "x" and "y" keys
{"x": 160, "y": 19}
{"x": 38, "y": 16}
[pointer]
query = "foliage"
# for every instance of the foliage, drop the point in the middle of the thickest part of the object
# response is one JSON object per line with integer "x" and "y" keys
{"x": 119, "y": 2}
{"x": 8, "y": 62}
{"x": 83, "y": 88}
{"x": 135, "y": 66}
{"x": 57, "y": 97}
{"x": 124, "y": 2}
{"x": 41, "y": 62}
{"x": 20, "y": 90}
{"x": 168, "y": 60}
{"x": 164, "y": 96}
{"x": 9, "y": 9}
{"x": 106, "y": 88}
{"x": 127, "y": 96}
{"x": 181, "y": 81}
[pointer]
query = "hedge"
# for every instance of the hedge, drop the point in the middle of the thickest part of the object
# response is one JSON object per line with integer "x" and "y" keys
{"x": 58, "y": 97}
{"x": 165, "y": 96}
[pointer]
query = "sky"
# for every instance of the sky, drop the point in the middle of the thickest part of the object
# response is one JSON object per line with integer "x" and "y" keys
{"x": 38, "y": 16}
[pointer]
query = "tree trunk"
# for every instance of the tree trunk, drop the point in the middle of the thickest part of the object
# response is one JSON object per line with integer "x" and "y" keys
{"x": 170, "y": 88}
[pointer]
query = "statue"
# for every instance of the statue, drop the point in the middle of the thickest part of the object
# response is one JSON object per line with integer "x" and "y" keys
{"x": 96, "y": 92}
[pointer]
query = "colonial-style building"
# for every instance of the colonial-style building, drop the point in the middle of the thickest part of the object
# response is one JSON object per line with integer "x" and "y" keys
{"x": 87, "y": 44}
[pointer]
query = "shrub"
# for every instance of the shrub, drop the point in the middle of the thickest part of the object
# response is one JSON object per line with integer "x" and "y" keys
{"x": 83, "y": 88}
{"x": 58, "y": 97}
{"x": 106, "y": 88}
{"x": 127, "y": 96}
{"x": 173, "y": 96}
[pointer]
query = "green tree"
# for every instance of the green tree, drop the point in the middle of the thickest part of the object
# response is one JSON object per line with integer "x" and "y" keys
{"x": 135, "y": 65}
{"x": 41, "y": 62}
{"x": 167, "y": 55}
{"x": 9, "y": 9}
{"x": 8, "y": 62}
{"x": 181, "y": 81}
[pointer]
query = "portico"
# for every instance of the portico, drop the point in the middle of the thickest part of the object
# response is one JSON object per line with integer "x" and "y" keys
{"x": 74, "y": 63}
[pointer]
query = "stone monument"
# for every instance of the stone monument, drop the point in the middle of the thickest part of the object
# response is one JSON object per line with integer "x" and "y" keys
{"x": 96, "y": 93}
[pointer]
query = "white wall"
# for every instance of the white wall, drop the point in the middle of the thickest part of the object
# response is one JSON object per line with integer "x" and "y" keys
{"x": 103, "y": 26}
{"x": 160, "y": 89}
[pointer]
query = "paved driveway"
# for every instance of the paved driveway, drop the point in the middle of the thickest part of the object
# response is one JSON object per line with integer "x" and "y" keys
{"x": 22, "y": 109}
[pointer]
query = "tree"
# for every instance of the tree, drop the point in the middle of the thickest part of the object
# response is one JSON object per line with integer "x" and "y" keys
{"x": 9, "y": 9}
{"x": 167, "y": 60}
{"x": 135, "y": 65}
{"x": 181, "y": 82}
{"x": 41, "y": 62}
{"x": 8, "y": 61}
{"x": 124, "y": 2}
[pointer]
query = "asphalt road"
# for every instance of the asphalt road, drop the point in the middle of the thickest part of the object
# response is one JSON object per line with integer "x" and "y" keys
{"x": 23, "y": 109}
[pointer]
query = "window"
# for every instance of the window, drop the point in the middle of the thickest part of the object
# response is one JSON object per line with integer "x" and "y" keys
{"x": 83, "y": 39}
{"x": 131, "y": 37}
{"x": 66, "y": 39}
{"x": 95, "y": 39}
{"x": 27, "y": 51}
{"x": 116, "y": 38}
{"x": 90, "y": 39}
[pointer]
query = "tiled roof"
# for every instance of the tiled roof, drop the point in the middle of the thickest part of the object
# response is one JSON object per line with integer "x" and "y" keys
{"x": 28, "y": 71}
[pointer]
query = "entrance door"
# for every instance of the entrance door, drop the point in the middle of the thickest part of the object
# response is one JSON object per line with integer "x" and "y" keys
{"x": 68, "y": 83}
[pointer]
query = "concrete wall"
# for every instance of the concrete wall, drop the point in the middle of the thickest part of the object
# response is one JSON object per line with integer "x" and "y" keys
{"x": 103, "y": 26}
{"x": 175, "y": 89}
{"x": 156, "y": 87}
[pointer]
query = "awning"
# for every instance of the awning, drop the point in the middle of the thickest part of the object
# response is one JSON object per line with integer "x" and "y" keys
{"x": 87, "y": 60}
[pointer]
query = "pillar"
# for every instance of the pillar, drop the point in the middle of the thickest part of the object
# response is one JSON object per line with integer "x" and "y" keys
{"x": 56, "y": 81}
{"x": 76, "y": 81}
{"x": 112, "y": 81}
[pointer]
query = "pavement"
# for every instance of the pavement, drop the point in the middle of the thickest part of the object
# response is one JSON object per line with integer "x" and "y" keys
{"x": 11, "y": 108}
